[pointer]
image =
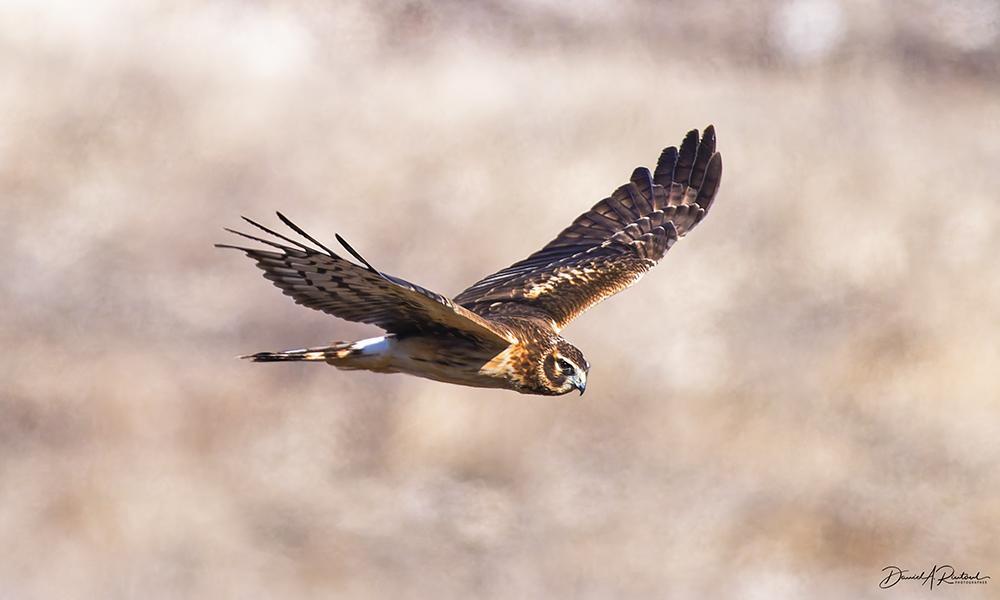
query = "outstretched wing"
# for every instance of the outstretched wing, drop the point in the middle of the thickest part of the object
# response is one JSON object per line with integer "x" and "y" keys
{"x": 326, "y": 282}
{"x": 611, "y": 246}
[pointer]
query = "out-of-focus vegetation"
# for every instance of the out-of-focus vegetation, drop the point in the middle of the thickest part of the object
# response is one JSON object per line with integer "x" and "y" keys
{"x": 805, "y": 391}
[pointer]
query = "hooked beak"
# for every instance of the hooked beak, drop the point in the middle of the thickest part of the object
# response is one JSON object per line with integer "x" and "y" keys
{"x": 580, "y": 382}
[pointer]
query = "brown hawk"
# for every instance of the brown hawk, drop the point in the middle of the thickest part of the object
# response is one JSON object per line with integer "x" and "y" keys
{"x": 503, "y": 331}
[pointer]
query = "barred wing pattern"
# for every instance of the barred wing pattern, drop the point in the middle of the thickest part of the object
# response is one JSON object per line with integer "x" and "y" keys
{"x": 612, "y": 245}
{"x": 324, "y": 281}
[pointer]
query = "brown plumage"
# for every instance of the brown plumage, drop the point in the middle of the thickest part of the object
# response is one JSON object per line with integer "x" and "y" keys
{"x": 503, "y": 331}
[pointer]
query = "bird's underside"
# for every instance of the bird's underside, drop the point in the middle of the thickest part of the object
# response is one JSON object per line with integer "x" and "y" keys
{"x": 503, "y": 331}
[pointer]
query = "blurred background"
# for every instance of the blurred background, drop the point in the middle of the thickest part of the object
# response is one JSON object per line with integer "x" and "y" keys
{"x": 805, "y": 391}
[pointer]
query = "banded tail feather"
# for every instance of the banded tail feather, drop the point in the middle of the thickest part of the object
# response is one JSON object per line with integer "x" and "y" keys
{"x": 338, "y": 350}
{"x": 362, "y": 354}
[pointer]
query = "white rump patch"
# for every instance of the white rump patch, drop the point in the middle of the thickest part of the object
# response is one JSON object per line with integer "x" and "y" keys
{"x": 371, "y": 346}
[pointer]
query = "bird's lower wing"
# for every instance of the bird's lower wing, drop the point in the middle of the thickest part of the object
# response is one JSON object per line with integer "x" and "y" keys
{"x": 612, "y": 245}
{"x": 322, "y": 280}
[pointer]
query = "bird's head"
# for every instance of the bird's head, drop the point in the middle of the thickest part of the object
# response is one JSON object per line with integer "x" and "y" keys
{"x": 563, "y": 369}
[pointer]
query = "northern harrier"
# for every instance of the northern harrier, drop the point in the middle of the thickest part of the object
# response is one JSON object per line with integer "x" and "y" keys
{"x": 502, "y": 332}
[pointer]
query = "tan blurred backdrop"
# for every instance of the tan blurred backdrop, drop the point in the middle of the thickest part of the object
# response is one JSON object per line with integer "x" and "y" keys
{"x": 804, "y": 392}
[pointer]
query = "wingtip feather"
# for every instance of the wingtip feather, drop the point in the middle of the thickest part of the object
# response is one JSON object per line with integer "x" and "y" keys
{"x": 302, "y": 232}
{"x": 354, "y": 252}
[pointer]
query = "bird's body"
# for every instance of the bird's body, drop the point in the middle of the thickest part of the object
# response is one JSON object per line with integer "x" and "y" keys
{"x": 503, "y": 331}
{"x": 441, "y": 357}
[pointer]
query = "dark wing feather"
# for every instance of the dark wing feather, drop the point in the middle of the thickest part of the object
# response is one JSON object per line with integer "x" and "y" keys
{"x": 609, "y": 247}
{"x": 324, "y": 281}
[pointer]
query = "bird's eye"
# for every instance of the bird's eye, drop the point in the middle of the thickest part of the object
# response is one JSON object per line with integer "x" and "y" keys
{"x": 564, "y": 366}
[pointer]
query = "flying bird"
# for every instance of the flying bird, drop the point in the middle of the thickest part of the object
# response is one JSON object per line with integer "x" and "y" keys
{"x": 503, "y": 331}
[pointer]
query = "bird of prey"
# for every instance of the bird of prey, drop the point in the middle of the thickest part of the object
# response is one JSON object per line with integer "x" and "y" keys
{"x": 503, "y": 331}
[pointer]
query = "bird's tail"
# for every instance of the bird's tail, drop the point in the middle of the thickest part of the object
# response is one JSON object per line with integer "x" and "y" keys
{"x": 336, "y": 351}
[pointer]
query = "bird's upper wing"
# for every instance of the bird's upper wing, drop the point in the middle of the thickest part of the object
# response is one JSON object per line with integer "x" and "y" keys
{"x": 611, "y": 246}
{"x": 326, "y": 282}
